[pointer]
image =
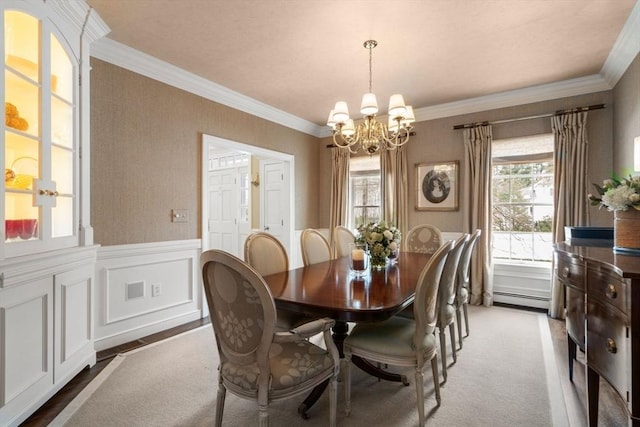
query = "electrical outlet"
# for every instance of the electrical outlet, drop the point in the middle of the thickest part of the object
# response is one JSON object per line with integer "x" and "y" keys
{"x": 179, "y": 215}
{"x": 156, "y": 289}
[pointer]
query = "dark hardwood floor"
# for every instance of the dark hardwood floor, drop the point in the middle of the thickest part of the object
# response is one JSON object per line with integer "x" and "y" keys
{"x": 612, "y": 410}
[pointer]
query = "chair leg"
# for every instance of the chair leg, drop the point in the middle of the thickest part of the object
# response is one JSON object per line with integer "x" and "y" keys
{"x": 346, "y": 379}
{"x": 263, "y": 416}
{"x": 436, "y": 382}
{"x": 222, "y": 392}
{"x": 333, "y": 400}
{"x": 452, "y": 333}
{"x": 443, "y": 350}
{"x": 420, "y": 394}
{"x": 459, "y": 322}
{"x": 466, "y": 317}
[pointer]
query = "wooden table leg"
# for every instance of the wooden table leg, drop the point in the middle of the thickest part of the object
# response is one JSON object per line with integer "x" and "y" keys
{"x": 593, "y": 388}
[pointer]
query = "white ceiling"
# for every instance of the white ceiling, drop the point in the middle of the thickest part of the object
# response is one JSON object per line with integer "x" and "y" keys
{"x": 300, "y": 57}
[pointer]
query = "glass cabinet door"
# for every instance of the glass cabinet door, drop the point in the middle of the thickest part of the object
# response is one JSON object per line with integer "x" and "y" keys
{"x": 39, "y": 137}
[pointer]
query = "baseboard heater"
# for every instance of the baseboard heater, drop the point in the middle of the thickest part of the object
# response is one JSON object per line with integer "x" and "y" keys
{"x": 531, "y": 297}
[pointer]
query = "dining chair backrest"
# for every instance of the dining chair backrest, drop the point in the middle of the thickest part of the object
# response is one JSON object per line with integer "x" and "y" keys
{"x": 265, "y": 253}
{"x": 234, "y": 291}
{"x": 342, "y": 238}
{"x": 465, "y": 260}
{"x": 315, "y": 247}
{"x": 424, "y": 238}
{"x": 463, "y": 283}
{"x": 447, "y": 289}
{"x": 425, "y": 302}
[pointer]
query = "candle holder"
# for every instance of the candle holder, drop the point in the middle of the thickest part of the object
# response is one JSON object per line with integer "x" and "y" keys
{"x": 359, "y": 258}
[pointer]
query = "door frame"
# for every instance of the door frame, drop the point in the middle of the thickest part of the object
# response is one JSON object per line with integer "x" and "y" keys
{"x": 227, "y": 144}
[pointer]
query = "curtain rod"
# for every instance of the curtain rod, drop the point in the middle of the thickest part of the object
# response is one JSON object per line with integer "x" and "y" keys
{"x": 556, "y": 113}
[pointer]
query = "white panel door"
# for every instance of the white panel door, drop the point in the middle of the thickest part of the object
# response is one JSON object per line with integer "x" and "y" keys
{"x": 223, "y": 209}
{"x": 244, "y": 208}
{"x": 275, "y": 200}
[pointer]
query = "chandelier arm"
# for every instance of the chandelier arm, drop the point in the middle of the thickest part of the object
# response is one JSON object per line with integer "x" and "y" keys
{"x": 402, "y": 136}
{"x": 345, "y": 141}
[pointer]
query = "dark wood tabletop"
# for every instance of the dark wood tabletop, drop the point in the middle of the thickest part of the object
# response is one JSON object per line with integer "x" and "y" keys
{"x": 331, "y": 289}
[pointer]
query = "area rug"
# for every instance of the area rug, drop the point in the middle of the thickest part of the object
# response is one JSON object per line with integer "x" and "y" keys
{"x": 505, "y": 376}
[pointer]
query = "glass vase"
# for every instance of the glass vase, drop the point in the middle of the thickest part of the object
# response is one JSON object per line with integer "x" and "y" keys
{"x": 378, "y": 262}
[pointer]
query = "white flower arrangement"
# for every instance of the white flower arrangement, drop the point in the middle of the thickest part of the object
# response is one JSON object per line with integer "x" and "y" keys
{"x": 617, "y": 194}
{"x": 381, "y": 239}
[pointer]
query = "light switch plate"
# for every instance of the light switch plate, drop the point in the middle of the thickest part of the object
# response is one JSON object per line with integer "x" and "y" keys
{"x": 179, "y": 215}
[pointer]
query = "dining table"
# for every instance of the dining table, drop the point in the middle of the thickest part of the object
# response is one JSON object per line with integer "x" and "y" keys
{"x": 332, "y": 289}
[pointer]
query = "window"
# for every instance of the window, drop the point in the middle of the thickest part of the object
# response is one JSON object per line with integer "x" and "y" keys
{"x": 364, "y": 190}
{"x": 523, "y": 198}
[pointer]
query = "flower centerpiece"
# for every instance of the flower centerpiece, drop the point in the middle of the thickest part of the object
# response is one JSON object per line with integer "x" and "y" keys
{"x": 617, "y": 194}
{"x": 622, "y": 196}
{"x": 382, "y": 241}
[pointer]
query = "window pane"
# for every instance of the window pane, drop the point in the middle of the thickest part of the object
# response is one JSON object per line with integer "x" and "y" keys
{"x": 522, "y": 202}
{"x": 364, "y": 190}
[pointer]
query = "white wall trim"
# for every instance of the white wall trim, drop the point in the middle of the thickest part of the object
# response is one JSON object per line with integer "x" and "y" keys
{"x": 625, "y": 49}
{"x": 173, "y": 264}
{"x": 528, "y": 95}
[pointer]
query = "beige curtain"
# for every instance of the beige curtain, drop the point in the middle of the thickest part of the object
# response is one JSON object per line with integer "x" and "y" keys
{"x": 569, "y": 187}
{"x": 476, "y": 196}
{"x": 339, "y": 188}
{"x": 395, "y": 194}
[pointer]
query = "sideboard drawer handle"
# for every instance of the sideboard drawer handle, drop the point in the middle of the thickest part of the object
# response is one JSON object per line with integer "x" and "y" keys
{"x": 565, "y": 272}
{"x": 611, "y": 291}
{"x": 611, "y": 346}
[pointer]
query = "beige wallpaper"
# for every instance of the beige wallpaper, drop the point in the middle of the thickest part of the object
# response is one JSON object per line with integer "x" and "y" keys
{"x": 146, "y": 142}
{"x": 626, "y": 123}
{"x": 146, "y": 156}
{"x": 436, "y": 141}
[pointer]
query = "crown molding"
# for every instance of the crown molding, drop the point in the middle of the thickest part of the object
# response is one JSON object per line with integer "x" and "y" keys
{"x": 79, "y": 12}
{"x": 149, "y": 66}
{"x": 528, "y": 95}
{"x": 625, "y": 49}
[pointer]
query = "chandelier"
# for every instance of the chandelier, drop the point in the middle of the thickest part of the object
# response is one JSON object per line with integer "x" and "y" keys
{"x": 371, "y": 135}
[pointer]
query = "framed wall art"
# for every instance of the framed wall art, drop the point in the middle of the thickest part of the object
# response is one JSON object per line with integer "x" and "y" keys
{"x": 437, "y": 186}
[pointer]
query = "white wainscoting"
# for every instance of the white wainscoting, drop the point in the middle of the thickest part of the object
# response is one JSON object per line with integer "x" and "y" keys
{"x": 520, "y": 284}
{"x": 145, "y": 288}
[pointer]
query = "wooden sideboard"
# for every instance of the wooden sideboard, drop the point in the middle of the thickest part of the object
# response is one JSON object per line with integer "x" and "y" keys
{"x": 602, "y": 300}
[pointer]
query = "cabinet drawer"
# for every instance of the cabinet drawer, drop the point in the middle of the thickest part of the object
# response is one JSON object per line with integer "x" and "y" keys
{"x": 606, "y": 286}
{"x": 570, "y": 271}
{"x": 608, "y": 345}
{"x": 575, "y": 314}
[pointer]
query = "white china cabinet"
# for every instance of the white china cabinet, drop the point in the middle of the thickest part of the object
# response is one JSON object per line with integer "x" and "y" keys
{"x": 47, "y": 256}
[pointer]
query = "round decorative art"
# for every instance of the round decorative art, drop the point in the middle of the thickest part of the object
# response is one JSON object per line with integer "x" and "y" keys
{"x": 436, "y": 186}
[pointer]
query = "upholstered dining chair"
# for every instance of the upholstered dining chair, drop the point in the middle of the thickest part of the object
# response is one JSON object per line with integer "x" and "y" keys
{"x": 266, "y": 254}
{"x": 315, "y": 247}
{"x": 256, "y": 362}
{"x": 403, "y": 342}
{"x": 464, "y": 283}
{"x": 446, "y": 302}
{"x": 342, "y": 238}
{"x": 425, "y": 238}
